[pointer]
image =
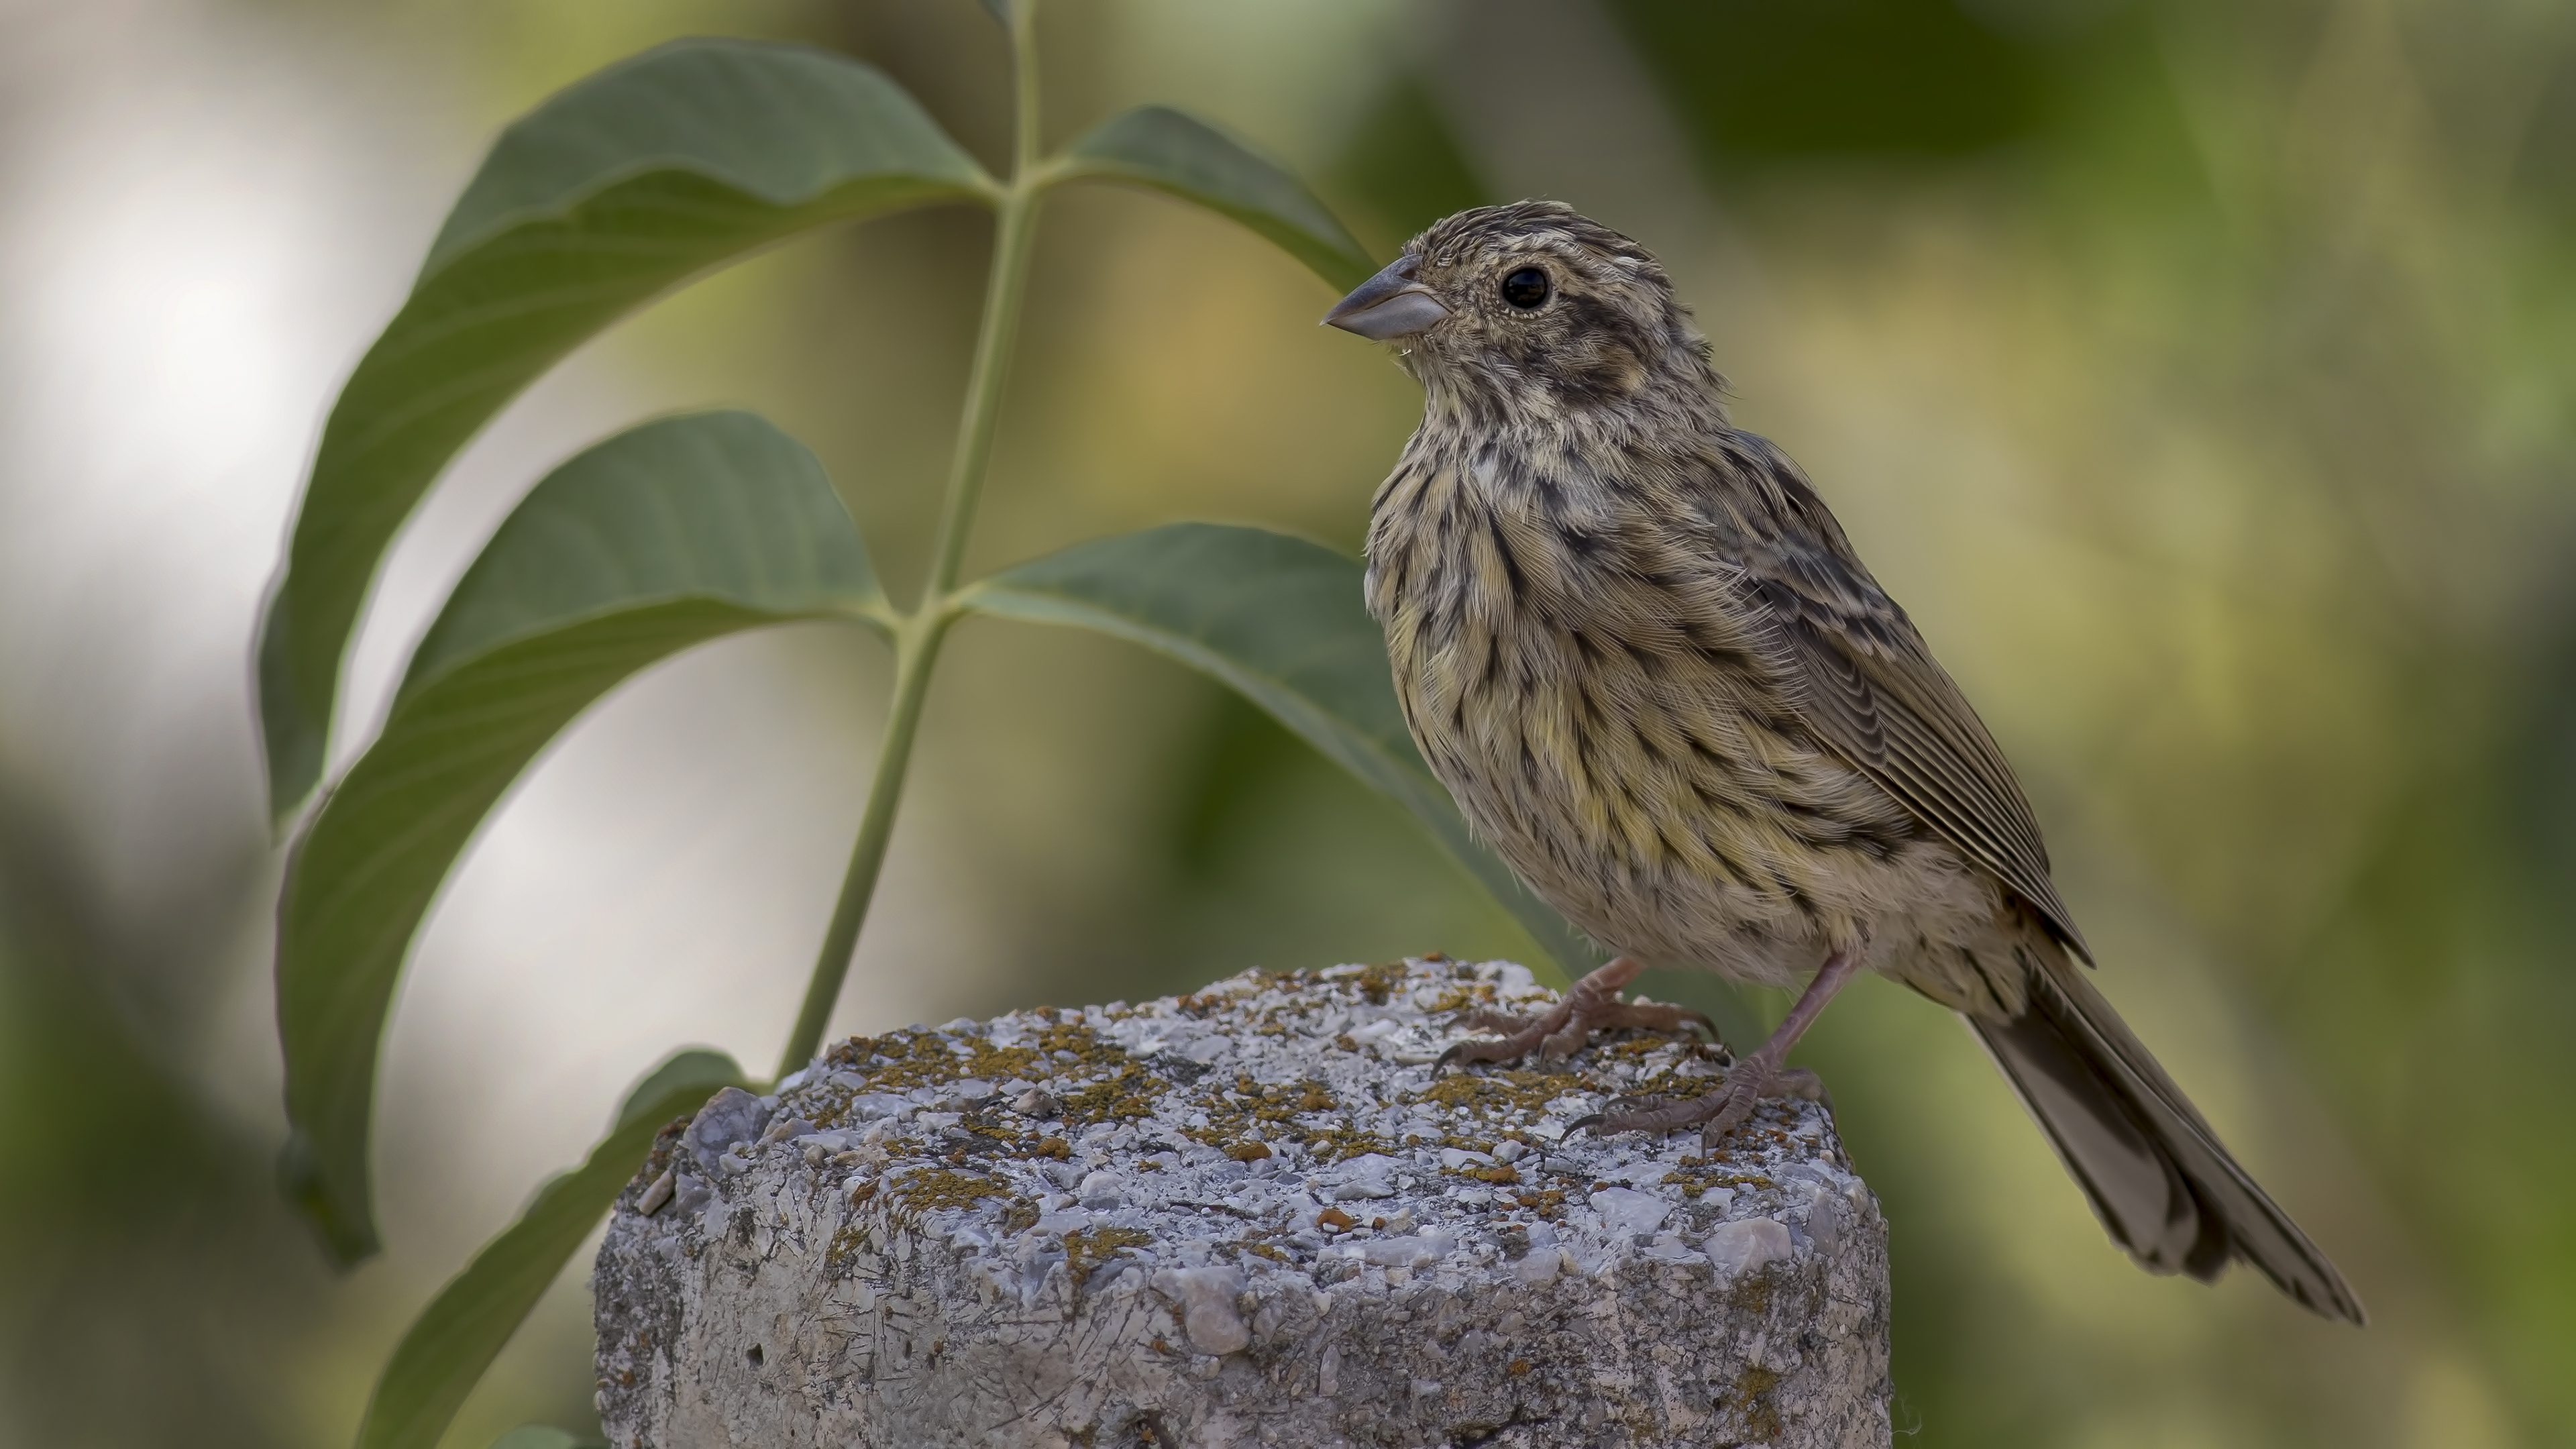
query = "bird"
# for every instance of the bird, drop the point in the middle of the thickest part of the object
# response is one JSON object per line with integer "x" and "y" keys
{"x": 1642, "y": 655}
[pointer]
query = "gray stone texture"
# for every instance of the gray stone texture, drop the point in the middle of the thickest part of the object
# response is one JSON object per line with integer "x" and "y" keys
{"x": 1250, "y": 1215}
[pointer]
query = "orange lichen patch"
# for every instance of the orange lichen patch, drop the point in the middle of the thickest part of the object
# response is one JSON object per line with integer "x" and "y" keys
{"x": 1122, "y": 1098}
{"x": 851, "y": 1239}
{"x": 1086, "y": 1250}
{"x": 1520, "y": 1091}
{"x": 1464, "y": 996}
{"x": 933, "y": 1189}
{"x": 1282, "y": 1104}
{"x": 1248, "y": 1151}
{"x": 1379, "y": 982}
{"x": 1698, "y": 1174}
{"x": 902, "y": 1061}
{"x": 1335, "y": 1143}
{"x": 1751, "y": 1397}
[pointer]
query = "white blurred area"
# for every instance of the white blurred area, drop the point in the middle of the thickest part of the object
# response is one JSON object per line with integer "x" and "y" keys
{"x": 187, "y": 262}
{"x": 211, "y": 210}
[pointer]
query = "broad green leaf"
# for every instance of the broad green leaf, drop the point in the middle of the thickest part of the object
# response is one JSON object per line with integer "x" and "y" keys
{"x": 1177, "y": 153}
{"x": 462, "y": 1330}
{"x": 1283, "y": 622}
{"x": 668, "y": 535}
{"x": 611, "y": 192}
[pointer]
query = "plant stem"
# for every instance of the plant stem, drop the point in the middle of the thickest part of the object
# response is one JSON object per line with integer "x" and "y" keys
{"x": 918, "y": 638}
{"x": 1013, "y": 230}
{"x": 916, "y": 650}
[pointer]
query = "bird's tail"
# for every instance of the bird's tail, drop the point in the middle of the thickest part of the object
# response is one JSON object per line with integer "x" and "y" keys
{"x": 2154, "y": 1171}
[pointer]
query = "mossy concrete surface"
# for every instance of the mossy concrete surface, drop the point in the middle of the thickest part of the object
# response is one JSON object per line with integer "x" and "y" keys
{"x": 1250, "y": 1215}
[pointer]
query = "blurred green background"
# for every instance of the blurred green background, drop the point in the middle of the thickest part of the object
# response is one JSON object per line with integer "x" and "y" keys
{"x": 2196, "y": 371}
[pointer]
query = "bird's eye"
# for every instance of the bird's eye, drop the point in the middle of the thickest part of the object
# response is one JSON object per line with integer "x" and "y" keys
{"x": 1525, "y": 288}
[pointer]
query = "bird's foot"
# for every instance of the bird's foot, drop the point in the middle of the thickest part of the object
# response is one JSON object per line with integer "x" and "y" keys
{"x": 1715, "y": 1114}
{"x": 1765, "y": 1073}
{"x": 1592, "y": 1005}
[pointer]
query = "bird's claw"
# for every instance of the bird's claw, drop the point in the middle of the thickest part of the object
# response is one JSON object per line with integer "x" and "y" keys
{"x": 1592, "y": 1005}
{"x": 1732, "y": 1107}
{"x": 1746, "y": 1088}
{"x": 1622, "y": 1114}
{"x": 1715, "y": 1114}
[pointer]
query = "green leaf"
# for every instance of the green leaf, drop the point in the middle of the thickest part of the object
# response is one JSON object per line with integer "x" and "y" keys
{"x": 673, "y": 533}
{"x": 462, "y": 1330}
{"x": 613, "y": 191}
{"x": 1282, "y": 621}
{"x": 1179, "y": 154}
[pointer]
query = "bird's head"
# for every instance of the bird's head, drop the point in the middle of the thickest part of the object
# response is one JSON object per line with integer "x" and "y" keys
{"x": 1532, "y": 308}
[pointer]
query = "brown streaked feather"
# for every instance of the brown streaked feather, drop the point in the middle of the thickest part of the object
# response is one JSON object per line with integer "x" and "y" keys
{"x": 1869, "y": 685}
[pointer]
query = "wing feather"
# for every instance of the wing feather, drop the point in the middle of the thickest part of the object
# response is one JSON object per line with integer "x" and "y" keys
{"x": 1866, "y": 681}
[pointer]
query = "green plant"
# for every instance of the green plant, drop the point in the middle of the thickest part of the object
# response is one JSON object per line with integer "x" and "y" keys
{"x": 693, "y": 528}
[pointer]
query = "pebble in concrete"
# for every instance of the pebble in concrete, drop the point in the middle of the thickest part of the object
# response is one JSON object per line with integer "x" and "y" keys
{"x": 1246, "y": 1216}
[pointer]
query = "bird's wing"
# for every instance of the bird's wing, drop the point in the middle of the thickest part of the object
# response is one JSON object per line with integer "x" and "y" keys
{"x": 1867, "y": 682}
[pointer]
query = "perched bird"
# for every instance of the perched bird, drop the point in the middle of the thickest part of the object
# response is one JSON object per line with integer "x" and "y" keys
{"x": 1635, "y": 645}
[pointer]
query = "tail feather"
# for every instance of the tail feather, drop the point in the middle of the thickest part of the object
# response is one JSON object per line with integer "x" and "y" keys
{"x": 2155, "y": 1173}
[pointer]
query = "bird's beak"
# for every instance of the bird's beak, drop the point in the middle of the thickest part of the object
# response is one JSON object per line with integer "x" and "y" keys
{"x": 1387, "y": 306}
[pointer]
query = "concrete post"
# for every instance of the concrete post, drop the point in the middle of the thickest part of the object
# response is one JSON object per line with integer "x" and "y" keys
{"x": 1250, "y": 1215}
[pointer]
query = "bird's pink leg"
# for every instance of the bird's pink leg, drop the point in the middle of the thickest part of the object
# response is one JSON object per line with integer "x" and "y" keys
{"x": 1719, "y": 1113}
{"x": 1592, "y": 1004}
